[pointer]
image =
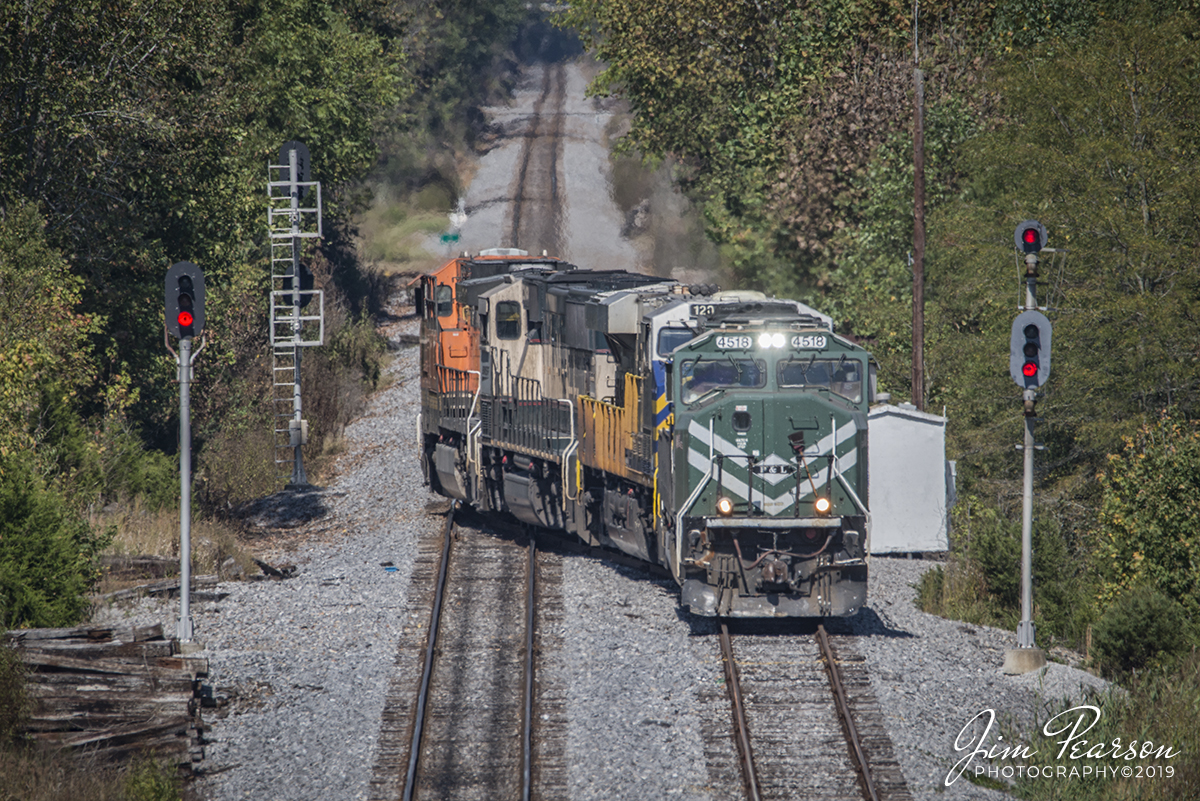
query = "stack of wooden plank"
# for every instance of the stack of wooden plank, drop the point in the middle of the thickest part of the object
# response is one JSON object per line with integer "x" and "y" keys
{"x": 114, "y": 691}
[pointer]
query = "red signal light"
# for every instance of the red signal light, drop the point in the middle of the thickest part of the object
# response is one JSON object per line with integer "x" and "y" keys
{"x": 1029, "y": 369}
{"x": 1031, "y": 237}
{"x": 185, "y": 319}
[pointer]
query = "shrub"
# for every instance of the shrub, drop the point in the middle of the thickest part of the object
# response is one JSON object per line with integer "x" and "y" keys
{"x": 1149, "y": 527}
{"x": 1141, "y": 628}
{"x": 981, "y": 581}
{"x": 46, "y": 552}
{"x": 148, "y": 780}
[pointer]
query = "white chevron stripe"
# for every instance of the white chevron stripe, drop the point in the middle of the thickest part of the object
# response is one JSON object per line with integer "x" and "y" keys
{"x": 819, "y": 477}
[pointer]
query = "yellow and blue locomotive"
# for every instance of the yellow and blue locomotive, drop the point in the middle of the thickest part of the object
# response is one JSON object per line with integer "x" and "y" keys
{"x": 722, "y": 435}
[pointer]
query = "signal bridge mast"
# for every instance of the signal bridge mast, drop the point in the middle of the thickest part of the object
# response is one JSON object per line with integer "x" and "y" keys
{"x": 292, "y": 330}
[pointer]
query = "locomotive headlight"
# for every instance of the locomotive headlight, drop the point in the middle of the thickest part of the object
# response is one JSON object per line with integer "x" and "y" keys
{"x": 768, "y": 340}
{"x": 724, "y": 506}
{"x": 822, "y": 506}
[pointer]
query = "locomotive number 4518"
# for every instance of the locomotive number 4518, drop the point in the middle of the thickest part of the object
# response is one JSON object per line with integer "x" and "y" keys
{"x": 734, "y": 343}
{"x": 813, "y": 341}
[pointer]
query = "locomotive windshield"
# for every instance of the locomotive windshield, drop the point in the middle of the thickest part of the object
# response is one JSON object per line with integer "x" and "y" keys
{"x": 670, "y": 338}
{"x": 841, "y": 376}
{"x": 698, "y": 377}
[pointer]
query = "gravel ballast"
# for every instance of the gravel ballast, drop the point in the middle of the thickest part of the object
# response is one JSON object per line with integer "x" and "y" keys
{"x": 305, "y": 661}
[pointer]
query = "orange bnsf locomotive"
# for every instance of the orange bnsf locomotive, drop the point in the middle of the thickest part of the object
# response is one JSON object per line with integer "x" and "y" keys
{"x": 722, "y": 435}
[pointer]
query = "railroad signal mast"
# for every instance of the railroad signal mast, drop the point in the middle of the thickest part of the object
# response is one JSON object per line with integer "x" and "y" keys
{"x": 292, "y": 329}
{"x": 1029, "y": 366}
{"x": 183, "y": 303}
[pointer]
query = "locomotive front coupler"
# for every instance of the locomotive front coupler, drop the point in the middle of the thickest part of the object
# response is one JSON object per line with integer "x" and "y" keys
{"x": 776, "y": 552}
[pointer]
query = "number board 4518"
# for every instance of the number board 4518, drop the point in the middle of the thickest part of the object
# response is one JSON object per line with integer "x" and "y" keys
{"x": 734, "y": 342}
{"x": 809, "y": 341}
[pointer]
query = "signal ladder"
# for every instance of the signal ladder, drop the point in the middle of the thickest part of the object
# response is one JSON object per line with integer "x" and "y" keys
{"x": 291, "y": 329}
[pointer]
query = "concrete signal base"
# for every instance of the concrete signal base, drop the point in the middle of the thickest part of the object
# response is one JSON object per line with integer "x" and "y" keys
{"x": 1023, "y": 660}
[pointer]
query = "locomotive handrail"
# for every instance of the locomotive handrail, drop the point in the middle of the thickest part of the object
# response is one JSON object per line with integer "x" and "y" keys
{"x": 611, "y": 431}
{"x": 571, "y": 446}
{"x": 473, "y": 426}
{"x": 478, "y": 389}
{"x": 687, "y": 505}
{"x": 853, "y": 495}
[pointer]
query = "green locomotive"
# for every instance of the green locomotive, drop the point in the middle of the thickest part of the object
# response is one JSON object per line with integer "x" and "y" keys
{"x": 768, "y": 465}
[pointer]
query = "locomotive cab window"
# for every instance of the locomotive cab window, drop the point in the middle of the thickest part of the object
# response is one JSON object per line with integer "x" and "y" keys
{"x": 841, "y": 376}
{"x": 445, "y": 300}
{"x": 670, "y": 338}
{"x": 508, "y": 319}
{"x": 699, "y": 377}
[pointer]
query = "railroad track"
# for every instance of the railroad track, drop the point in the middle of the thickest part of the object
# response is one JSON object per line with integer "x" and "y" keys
{"x": 536, "y": 208}
{"x": 463, "y": 714}
{"x": 805, "y": 722}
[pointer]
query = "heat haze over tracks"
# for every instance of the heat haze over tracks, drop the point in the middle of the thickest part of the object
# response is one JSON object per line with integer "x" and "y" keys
{"x": 545, "y": 182}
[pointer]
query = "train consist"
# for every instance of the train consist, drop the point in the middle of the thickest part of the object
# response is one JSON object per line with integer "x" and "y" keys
{"x": 722, "y": 435}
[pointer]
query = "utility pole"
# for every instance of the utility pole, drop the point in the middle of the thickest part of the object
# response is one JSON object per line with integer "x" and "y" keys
{"x": 918, "y": 265}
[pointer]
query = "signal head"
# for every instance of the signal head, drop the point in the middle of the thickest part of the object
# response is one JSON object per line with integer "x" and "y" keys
{"x": 1029, "y": 350}
{"x": 1030, "y": 237}
{"x": 183, "y": 299}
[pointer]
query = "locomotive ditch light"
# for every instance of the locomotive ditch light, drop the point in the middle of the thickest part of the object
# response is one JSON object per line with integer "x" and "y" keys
{"x": 724, "y": 506}
{"x": 822, "y": 505}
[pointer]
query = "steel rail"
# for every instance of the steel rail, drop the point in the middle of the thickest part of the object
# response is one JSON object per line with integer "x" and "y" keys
{"x": 741, "y": 728}
{"x": 410, "y": 781}
{"x": 848, "y": 727}
{"x": 527, "y": 729}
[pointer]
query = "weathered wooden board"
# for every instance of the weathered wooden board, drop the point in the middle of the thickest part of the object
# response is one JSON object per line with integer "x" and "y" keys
{"x": 88, "y": 633}
{"x": 113, "y": 692}
{"x": 166, "y": 586}
{"x": 140, "y": 566}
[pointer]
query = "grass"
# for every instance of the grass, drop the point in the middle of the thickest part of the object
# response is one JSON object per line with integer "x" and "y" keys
{"x": 1161, "y": 707}
{"x": 393, "y": 232}
{"x": 33, "y": 774}
{"x": 139, "y": 532}
{"x": 958, "y": 591}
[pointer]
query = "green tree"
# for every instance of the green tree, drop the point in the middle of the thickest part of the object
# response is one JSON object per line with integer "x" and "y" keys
{"x": 46, "y": 551}
{"x": 1093, "y": 144}
{"x": 1149, "y": 522}
{"x": 43, "y": 336}
{"x": 144, "y": 143}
